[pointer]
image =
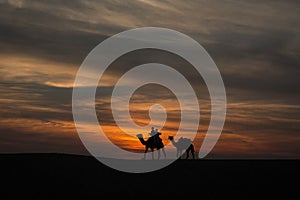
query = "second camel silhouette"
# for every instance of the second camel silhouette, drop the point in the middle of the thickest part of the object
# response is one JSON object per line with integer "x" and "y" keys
{"x": 183, "y": 144}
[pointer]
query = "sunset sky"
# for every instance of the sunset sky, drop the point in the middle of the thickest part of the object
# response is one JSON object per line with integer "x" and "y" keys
{"x": 255, "y": 44}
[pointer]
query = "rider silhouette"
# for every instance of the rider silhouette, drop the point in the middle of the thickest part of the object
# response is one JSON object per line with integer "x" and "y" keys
{"x": 157, "y": 140}
{"x": 155, "y": 135}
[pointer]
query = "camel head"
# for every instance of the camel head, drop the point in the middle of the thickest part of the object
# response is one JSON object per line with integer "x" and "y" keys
{"x": 139, "y": 135}
{"x": 170, "y": 137}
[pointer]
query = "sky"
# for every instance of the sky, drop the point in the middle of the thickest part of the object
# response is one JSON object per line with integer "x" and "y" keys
{"x": 255, "y": 45}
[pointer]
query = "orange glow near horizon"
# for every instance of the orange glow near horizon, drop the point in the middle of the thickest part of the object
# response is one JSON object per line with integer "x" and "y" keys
{"x": 139, "y": 111}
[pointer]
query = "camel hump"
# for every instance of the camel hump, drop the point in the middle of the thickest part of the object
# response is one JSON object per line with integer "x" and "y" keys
{"x": 185, "y": 141}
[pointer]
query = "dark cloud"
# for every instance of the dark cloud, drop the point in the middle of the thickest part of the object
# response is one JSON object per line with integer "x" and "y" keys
{"x": 16, "y": 141}
{"x": 35, "y": 101}
{"x": 45, "y": 34}
{"x": 31, "y": 29}
{"x": 47, "y": 43}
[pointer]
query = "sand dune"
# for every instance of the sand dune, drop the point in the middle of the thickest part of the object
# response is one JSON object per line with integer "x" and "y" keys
{"x": 59, "y": 176}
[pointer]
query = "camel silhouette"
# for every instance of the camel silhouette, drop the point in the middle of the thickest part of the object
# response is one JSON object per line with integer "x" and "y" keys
{"x": 183, "y": 144}
{"x": 152, "y": 143}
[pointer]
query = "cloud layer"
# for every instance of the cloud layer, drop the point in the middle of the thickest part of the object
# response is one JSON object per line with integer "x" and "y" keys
{"x": 255, "y": 45}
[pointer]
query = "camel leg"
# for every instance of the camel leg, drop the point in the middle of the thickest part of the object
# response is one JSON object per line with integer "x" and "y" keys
{"x": 152, "y": 154}
{"x": 190, "y": 150}
{"x": 193, "y": 151}
{"x": 158, "y": 154}
{"x": 179, "y": 154}
{"x": 163, "y": 150}
{"x": 146, "y": 150}
{"x": 187, "y": 153}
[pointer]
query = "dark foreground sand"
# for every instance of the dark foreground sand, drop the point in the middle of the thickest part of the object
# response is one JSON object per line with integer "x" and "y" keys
{"x": 61, "y": 176}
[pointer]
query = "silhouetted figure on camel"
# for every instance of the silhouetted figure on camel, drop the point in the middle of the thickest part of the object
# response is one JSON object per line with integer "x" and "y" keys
{"x": 153, "y": 142}
{"x": 183, "y": 144}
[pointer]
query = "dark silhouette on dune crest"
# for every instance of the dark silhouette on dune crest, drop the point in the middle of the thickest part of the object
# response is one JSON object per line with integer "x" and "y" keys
{"x": 183, "y": 144}
{"x": 153, "y": 142}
